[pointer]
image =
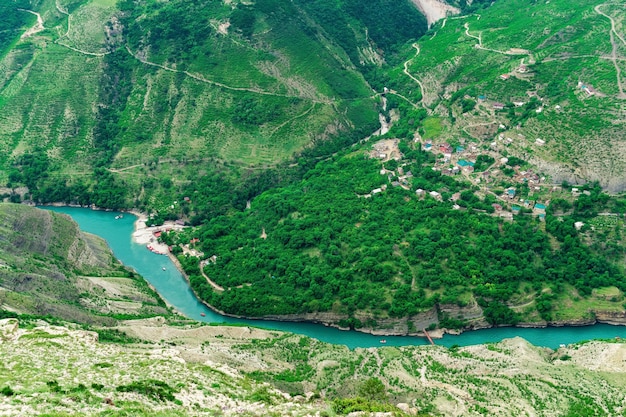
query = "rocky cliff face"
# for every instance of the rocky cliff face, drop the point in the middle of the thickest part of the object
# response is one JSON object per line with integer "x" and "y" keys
{"x": 611, "y": 317}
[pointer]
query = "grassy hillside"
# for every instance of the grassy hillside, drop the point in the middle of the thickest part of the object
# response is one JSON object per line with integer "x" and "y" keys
{"x": 556, "y": 69}
{"x": 48, "y": 267}
{"x": 159, "y": 95}
{"x": 227, "y": 371}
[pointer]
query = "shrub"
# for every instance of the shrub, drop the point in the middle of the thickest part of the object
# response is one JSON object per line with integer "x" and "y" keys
{"x": 152, "y": 388}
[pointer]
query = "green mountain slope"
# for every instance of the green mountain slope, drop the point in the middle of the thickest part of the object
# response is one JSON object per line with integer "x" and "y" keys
{"x": 555, "y": 72}
{"x": 151, "y": 90}
{"x": 49, "y": 267}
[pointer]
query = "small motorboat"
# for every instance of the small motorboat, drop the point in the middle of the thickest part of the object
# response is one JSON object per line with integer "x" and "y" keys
{"x": 203, "y": 315}
{"x": 383, "y": 341}
{"x": 163, "y": 268}
{"x": 120, "y": 216}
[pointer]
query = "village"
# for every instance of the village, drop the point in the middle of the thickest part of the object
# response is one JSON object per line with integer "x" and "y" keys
{"x": 516, "y": 188}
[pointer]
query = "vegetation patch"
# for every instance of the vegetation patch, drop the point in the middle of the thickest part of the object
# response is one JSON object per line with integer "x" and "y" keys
{"x": 151, "y": 388}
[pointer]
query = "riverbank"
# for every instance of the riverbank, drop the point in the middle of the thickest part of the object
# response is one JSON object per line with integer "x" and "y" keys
{"x": 145, "y": 234}
{"x": 175, "y": 290}
{"x": 389, "y": 328}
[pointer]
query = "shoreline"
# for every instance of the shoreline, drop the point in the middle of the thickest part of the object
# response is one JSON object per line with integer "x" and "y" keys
{"x": 144, "y": 234}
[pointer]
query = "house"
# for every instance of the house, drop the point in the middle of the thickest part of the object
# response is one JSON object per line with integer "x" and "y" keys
{"x": 428, "y": 146}
{"x": 395, "y": 184}
{"x": 510, "y": 192}
{"x": 540, "y": 208}
{"x": 445, "y": 148}
{"x": 522, "y": 69}
{"x": 447, "y": 171}
{"x": 505, "y": 77}
{"x": 497, "y": 206}
{"x": 463, "y": 163}
{"x": 498, "y": 106}
{"x": 157, "y": 234}
{"x": 516, "y": 209}
{"x": 540, "y": 142}
{"x": 377, "y": 190}
{"x": 419, "y": 192}
{"x": 459, "y": 149}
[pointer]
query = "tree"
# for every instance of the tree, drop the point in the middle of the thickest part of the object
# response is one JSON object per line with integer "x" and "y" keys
{"x": 373, "y": 389}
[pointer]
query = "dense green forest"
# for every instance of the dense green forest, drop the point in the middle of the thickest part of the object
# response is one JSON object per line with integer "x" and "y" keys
{"x": 14, "y": 23}
{"x": 329, "y": 247}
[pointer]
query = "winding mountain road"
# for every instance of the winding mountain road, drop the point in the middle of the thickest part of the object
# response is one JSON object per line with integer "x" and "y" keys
{"x": 218, "y": 84}
{"x": 408, "y": 74}
{"x": 613, "y": 34}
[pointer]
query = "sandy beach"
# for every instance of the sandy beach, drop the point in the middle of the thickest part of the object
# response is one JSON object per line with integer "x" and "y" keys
{"x": 144, "y": 234}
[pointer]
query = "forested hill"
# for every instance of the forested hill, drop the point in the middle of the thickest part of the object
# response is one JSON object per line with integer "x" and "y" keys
{"x": 370, "y": 249}
{"x": 120, "y": 104}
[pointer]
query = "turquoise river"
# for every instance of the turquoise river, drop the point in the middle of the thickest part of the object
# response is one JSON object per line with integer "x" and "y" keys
{"x": 173, "y": 287}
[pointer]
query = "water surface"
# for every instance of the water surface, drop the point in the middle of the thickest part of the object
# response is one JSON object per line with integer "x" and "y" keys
{"x": 173, "y": 287}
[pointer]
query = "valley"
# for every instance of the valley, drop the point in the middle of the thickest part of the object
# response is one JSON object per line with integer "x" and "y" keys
{"x": 490, "y": 194}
